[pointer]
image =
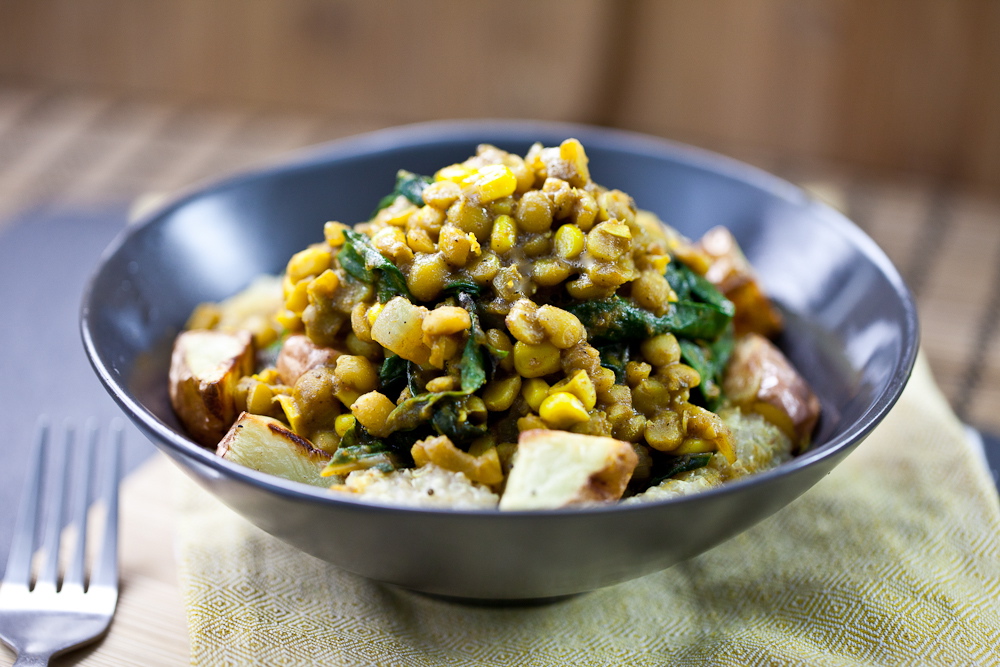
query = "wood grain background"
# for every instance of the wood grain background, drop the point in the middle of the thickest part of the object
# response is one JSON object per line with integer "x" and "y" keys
{"x": 890, "y": 86}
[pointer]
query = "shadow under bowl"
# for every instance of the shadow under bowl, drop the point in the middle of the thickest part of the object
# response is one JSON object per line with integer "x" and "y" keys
{"x": 851, "y": 331}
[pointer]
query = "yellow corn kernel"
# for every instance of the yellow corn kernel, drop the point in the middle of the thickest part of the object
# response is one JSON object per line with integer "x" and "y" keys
{"x": 429, "y": 218}
{"x": 562, "y": 328}
{"x": 535, "y": 390}
{"x": 534, "y": 212}
{"x": 661, "y": 350}
{"x": 292, "y": 413}
{"x": 604, "y": 380}
{"x": 569, "y": 241}
{"x": 442, "y": 383}
{"x": 398, "y": 213}
{"x": 636, "y": 372}
{"x": 419, "y": 240}
{"x": 347, "y": 395}
{"x": 548, "y": 271}
{"x": 572, "y": 151}
{"x": 494, "y": 181}
{"x": 373, "y": 313}
{"x": 499, "y": 395}
{"x": 454, "y": 245}
{"x": 504, "y": 234}
{"x": 259, "y": 399}
{"x": 532, "y": 361}
{"x": 325, "y": 283}
{"x": 309, "y": 262}
{"x": 659, "y": 264}
{"x": 445, "y": 320}
{"x": 268, "y": 376}
{"x": 428, "y": 275}
{"x": 663, "y": 432}
{"x": 615, "y": 204}
{"x": 442, "y": 194}
{"x": 485, "y": 268}
{"x": 288, "y": 320}
{"x": 456, "y": 173}
{"x": 343, "y": 423}
{"x": 584, "y": 212}
{"x": 695, "y": 446}
{"x": 297, "y": 298}
{"x": 333, "y": 232}
{"x": 609, "y": 240}
{"x": 372, "y": 411}
{"x": 474, "y": 246}
{"x": 356, "y": 372}
{"x": 562, "y": 410}
{"x": 580, "y": 386}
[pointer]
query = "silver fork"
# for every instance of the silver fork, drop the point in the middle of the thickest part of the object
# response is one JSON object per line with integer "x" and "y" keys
{"x": 46, "y": 619}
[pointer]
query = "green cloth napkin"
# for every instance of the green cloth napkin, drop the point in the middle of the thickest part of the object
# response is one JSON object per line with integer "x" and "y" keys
{"x": 894, "y": 558}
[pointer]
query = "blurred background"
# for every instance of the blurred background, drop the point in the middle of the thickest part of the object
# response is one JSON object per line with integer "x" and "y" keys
{"x": 889, "y": 110}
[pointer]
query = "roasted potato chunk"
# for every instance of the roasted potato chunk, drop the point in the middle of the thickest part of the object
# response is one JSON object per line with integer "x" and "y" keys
{"x": 555, "y": 469}
{"x": 732, "y": 274}
{"x": 205, "y": 368}
{"x": 267, "y": 445}
{"x": 760, "y": 378}
{"x": 299, "y": 355}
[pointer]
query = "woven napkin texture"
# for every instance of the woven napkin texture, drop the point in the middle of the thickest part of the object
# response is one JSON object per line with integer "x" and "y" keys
{"x": 892, "y": 559}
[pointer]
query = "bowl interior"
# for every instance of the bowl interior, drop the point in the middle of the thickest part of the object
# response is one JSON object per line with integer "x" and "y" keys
{"x": 851, "y": 323}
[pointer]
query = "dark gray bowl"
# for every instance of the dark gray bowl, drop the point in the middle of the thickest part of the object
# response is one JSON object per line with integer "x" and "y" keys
{"x": 852, "y": 331}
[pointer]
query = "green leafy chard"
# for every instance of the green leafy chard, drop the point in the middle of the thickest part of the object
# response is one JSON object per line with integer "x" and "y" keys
{"x": 710, "y": 360}
{"x": 617, "y": 320}
{"x": 615, "y": 356}
{"x": 363, "y": 261}
{"x": 408, "y": 185}
{"x": 392, "y": 375}
{"x": 462, "y": 286}
{"x": 671, "y": 466}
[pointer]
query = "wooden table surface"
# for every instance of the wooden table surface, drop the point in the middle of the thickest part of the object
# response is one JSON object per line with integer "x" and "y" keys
{"x": 75, "y": 150}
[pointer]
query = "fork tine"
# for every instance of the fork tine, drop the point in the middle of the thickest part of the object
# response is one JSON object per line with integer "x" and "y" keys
{"x": 106, "y": 568}
{"x": 81, "y": 501}
{"x": 25, "y": 530}
{"x": 54, "y": 513}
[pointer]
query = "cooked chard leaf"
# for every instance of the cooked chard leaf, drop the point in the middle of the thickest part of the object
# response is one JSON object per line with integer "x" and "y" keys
{"x": 453, "y": 419}
{"x": 710, "y": 360}
{"x": 615, "y": 356}
{"x": 392, "y": 376}
{"x": 359, "y": 451}
{"x": 472, "y": 363}
{"x": 363, "y": 261}
{"x": 689, "y": 286}
{"x": 675, "y": 465}
{"x": 462, "y": 286}
{"x": 408, "y": 185}
{"x": 417, "y": 410}
{"x": 617, "y": 320}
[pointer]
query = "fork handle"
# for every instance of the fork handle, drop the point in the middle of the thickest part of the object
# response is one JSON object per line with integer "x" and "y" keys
{"x": 25, "y": 659}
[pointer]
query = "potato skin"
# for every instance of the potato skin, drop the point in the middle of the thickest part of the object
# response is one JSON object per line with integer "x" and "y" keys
{"x": 760, "y": 378}
{"x": 733, "y": 275}
{"x": 202, "y": 393}
{"x": 299, "y": 355}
